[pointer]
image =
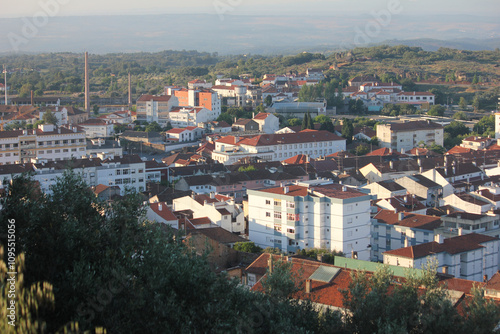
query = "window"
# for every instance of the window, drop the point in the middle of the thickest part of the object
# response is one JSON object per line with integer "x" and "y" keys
{"x": 290, "y": 230}
{"x": 268, "y": 214}
{"x": 277, "y": 203}
{"x": 290, "y": 216}
{"x": 65, "y": 150}
{"x": 290, "y": 205}
{"x": 118, "y": 172}
{"x": 277, "y": 215}
{"x": 277, "y": 228}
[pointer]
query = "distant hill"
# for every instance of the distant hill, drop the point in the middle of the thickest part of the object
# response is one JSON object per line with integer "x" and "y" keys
{"x": 429, "y": 44}
{"x": 235, "y": 34}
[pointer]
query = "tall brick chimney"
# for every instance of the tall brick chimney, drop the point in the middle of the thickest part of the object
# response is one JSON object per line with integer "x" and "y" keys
{"x": 87, "y": 101}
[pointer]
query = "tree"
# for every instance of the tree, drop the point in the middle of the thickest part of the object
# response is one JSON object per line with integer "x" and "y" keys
{"x": 247, "y": 247}
{"x": 361, "y": 150}
{"x": 436, "y": 110}
{"x": 249, "y": 168}
{"x": 224, "y": 116}
{"x": 475, "y": 80}
{"x": 462, "y": 103}
{"x": 49, "y": 117}
{"x": 281, "y": 283}
{"x": 153, "y": 127}
{"x": 417, "y": 305}
{"x": 109, "y": 266}
{"x": 268, "y": 100}
{"x": 476, "y": 103}
{"x": 460, "y": 115}
{"x": 456, "y": 129}
{"x": 294, "y": 122}
{"x": 482, "y": 314}
{"x": 95, "y": 108}
{"x": 347, "y": 130}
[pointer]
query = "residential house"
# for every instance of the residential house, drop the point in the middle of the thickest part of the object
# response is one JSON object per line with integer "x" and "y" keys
{"x": 220, "y": 209}
{"x": 405, "y": 203}
{"x": 423, "y": 187}
{"x": 97, "y": 128}
{"x": 161, "y": 213}
{"x": 268, "y": 123}
{"x": 187, "y": 134}
{"x": 386, "y": 189}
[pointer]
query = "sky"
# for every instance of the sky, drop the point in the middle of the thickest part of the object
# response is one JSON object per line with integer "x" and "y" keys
{"x": 30, "y": 8}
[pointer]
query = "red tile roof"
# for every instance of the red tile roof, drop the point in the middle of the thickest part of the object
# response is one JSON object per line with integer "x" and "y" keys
{"x": 162, "y": 210}
{"x": 409, "y": 219}
{"x": 159, "y": 98}
{"x": 290, "y": 138}
{"x": 262, "y": 115}
{"x": 455, "y": 245}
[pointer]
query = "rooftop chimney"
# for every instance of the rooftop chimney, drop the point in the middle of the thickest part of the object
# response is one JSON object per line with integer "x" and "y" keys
{"x": 401, "y": 216}
{"x": 308, "y": 286}
{"x": 270, "y": 263}
{"x": 159, "y": 207}
{"x": 286, "y": 190}
{"x": 129, "y": 91}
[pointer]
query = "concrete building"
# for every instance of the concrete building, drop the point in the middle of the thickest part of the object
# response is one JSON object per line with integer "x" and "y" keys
{"x": 408, "y": 135}
{"x": 391, "y": 230}
{"x": 97, "y": 128}
{"x": 423, "y": 187}
{"x": 47, "y": 143}
{"x": 221, "y": 210}
{"x": 155, "y": 108}
{"x": 470, "y": 256}
{"x": 228, "y": 150}
{"x": 296, "y": 217}
{"x": 268, "y": 123}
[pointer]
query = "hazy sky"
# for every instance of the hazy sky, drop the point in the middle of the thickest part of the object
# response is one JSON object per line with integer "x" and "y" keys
{"x": 29, "y": 8}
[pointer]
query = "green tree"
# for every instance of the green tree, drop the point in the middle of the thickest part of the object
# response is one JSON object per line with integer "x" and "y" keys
{"x": 49, "y": 117}
{"x": 95, "y": 108}
{"x": 268, "y": 100}
{"x": 281, "y": 282}
{"x": 347, "y": 130}
{"x": 462, "y": 103}
{"x": 456, "y": 129}
{"x": 294, "y": 122}
{"x": 476, "y": 103}
{"x": 475, "y": 80}
{"x": 247, "y": 247}
{"x": 436, "y": 110}
{"x": 153, "y": 127}
{"x": 482, "y": 314}
{"x": 460, "y": 115}
{"x": 249, "y": 168}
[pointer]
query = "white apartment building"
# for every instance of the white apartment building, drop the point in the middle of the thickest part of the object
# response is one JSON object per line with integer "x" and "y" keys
{"x": 181, "y": 117}
{"x": 48, "y": 143}
{"x": 408, "y": 135}
{"x": 127, "y": 171}
{"x": 416, "y": 97}
{"x": 391, "y": 230}
{"x": 277, "y": 147}
{"x": 470, "y": 256}
{"x": 97, "y": 128}
{"x": 155, "y": 108}
{"x": 296, "y": 217}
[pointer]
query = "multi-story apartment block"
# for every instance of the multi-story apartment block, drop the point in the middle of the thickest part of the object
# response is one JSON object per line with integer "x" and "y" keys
{"x": 276, "y": 147}
{"x": 408, "y": 135}
{"x": 391, "y": 230}
{"x": 126, "y": 172}
{"x": 197, "y": 98}
{"x": 471, "y": 256}
{"x": 296, "y": 217}
{"x": 155, "y": 108}
{"x": 181, "y": 117}
{"x": 48, "y": 143}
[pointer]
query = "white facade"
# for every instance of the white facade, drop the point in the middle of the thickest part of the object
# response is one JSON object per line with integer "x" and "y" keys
{"x": 408, "y": 135}
{"x": 220, "y": 210}
{"x": 47, "y": 143}
{"x": 190, "y": 116}
{"x": 470, "y": 263}
{"x": 275, "y": 147}
{"x": 296, "y": 217}
{"x": 95, "y": 128}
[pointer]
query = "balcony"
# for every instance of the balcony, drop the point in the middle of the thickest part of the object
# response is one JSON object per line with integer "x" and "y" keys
{"x": 293, "y": 236}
